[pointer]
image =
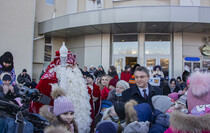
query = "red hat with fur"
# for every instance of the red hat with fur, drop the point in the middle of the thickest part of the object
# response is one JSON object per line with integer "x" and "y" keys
{"x": 199, "y": 91}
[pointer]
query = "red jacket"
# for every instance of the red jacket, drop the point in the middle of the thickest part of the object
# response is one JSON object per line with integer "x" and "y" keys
{"x": 125, "y": 76}
{"x": 95, "y": 104}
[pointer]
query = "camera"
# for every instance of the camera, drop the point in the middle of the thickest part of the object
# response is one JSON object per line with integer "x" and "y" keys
{"x": 29, "y": 94}
{"x": 19, "y": 115}
{"x": 33, "y": 94}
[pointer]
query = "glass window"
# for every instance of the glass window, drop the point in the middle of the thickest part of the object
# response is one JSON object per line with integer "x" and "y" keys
{"x": 125, "y": 45}
{"x": 47, "y": 53}
{"x": 156, "y": 38}
{"x": 50, "y": 2}
{"x": 157, "y": 44}
{"x": 160, "y": 48}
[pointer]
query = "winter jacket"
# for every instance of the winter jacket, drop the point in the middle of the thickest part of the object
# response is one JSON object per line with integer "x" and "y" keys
{"x": 125, "y": 76}
{"x": 161, "y": 122}
{"x": 92, "y": 71}
{"x": 134, "y": 93}
{"x": 187, "y": 123}
{"x": 46, "y": 112}
{"x": 167, "y": 90}
{"x": 12, "y": 74}
{"x": 105, "y": 93}
{"x": 9, "y": 95}
{"x": 113, "y": 97}
{"x": 23, "y": 78}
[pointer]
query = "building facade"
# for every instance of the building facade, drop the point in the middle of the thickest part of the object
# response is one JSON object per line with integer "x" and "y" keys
{"x": 169, "y": 33}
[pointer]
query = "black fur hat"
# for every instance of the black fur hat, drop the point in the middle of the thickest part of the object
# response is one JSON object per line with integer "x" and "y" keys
{"x": 7, "y": 58}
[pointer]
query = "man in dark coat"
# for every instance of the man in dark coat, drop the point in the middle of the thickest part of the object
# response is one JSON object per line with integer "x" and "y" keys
{"x": 23, "y": 77}
{"x": 142, "y": 91}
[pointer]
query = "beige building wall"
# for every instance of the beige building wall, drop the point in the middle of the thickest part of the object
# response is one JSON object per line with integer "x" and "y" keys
{"x": 60, "y": 7}
{"x": 205, "y": 2}
{"x": 108, "y": 3}
{"x": 93, "y": 50}
{"x": 56, "y": 45}
{"x": 45, "y": 11}
{"x": 76, "y": 46}
{"x": 174, "y": 2}
{"x": 38, "y": 58}
{"x": 16, "y": 32}
{"x": 71, "y": 6}
{"x": 141, "y": 3}
{"x": 191, "y": 44}
{"x": 81, "y": 5}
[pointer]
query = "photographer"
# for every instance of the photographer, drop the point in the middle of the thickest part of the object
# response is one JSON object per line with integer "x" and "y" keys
{"x": 8, "y": 91}
{"x": 23, "y": 77}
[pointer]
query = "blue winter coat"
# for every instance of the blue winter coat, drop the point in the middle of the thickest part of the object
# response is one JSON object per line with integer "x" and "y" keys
{"x": 161, "y": 122}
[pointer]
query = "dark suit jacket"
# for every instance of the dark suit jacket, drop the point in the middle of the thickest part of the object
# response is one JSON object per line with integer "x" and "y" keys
{"x": 134, "y": 93}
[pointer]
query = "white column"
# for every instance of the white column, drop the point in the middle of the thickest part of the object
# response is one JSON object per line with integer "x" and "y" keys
{"x": 177, "y": 55}
{"x": 105, "y": 60}
{"x": 141, "y": 49}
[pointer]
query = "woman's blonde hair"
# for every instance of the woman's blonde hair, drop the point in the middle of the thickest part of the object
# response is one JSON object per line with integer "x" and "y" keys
{"x": 99, "y": 83}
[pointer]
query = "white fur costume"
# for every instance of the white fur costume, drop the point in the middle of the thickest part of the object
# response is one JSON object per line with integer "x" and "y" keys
{"x": 74, "y": 86}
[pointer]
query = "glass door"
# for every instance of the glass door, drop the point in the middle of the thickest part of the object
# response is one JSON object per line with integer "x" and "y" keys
{"x": 121, "y": 61}
{"x": 118, "y": 63}
{"x": 152, "y": 61}
{"x": 131, "y": 61}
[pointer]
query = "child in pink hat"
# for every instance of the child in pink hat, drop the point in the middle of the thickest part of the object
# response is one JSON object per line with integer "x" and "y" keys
{"x": 61, "y": 115}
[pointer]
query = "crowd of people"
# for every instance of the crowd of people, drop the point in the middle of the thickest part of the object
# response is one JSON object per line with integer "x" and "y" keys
{"x": 98, "y": 101}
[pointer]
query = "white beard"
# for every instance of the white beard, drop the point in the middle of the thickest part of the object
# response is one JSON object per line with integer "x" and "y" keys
{"x": 73, "y": 84}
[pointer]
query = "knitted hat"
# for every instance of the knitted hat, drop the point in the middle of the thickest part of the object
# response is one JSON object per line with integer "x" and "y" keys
{"x": 124, "y": 84}
{"x": 113, "y": 82}
{"x": 7, "y": 57}
{"x": 144, "y": 112}
{"x": 182, "y": 100}
{"x": 174, "y": 96}
{"x": 199, "y": 91}
{"x": 6, "y": 77}
{"x": 61, "y": 103}
{"x": 137, "y": 127}
{"x": 137, "y": 112}
{"x": 120, "y": 110}
{"x": 106, "y": 126}
{"x": 106, "y": 104}
{"x": 24, "y": 70}
{"x": 162, "y": 103}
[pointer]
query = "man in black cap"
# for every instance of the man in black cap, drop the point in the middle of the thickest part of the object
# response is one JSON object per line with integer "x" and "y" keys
{"x": 23, "y": 77}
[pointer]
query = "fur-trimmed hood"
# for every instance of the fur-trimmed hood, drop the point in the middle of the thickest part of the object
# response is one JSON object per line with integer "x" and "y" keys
{"x": 130, "y": 112}
{"x": 189, "y": 123}
{"x": 137, "y": 112}
{"x": 57, "y": 129}
{"x": 45, "y": 111}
